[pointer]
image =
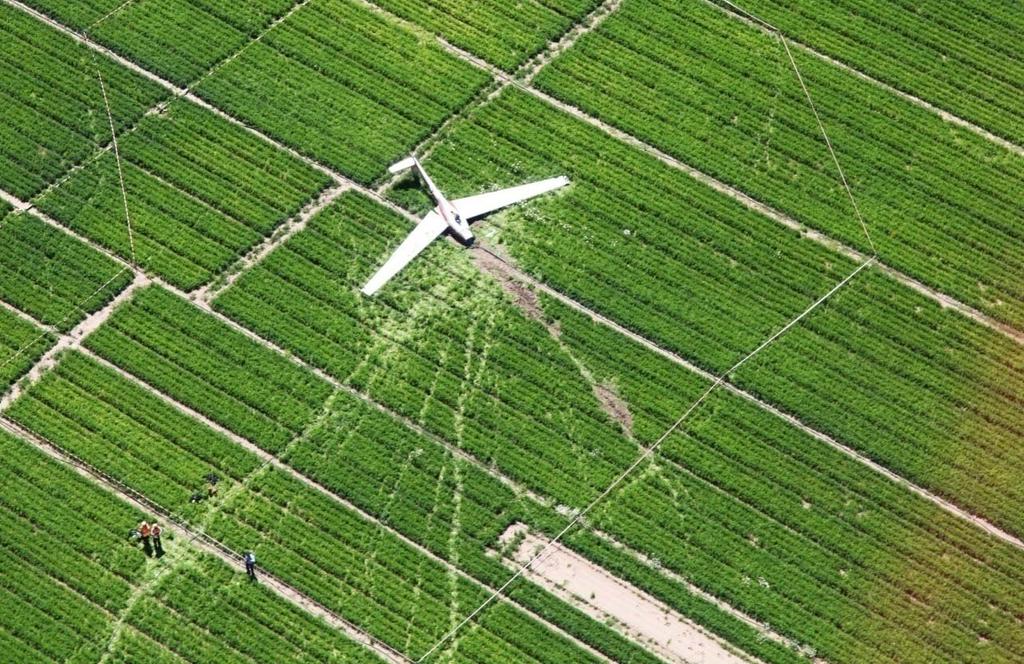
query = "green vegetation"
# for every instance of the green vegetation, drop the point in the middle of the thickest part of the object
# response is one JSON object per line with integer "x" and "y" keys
{"x": 70, "y": 576}
{"x": 923, "y": 390}
{"x": 52, "y": 113}
{"x": 21, "y": 344}
{"x": 51, "y": 276}
{"x": 942, "y": 204}
{"x": 503, "y": 34}
{"x": 201, "y": 191}
{"x": 199, "y": 361}
{"x": 182, "y": 39}
{"x": 633, "y": 238}
{"x": 355, "y": 97}
{"x": 791, "y": 531}
{"x": 401, "y": 350}
{"x": 959, "y": 56}
{"x": 887, "y": 355}
{"x": 309, "y": 540}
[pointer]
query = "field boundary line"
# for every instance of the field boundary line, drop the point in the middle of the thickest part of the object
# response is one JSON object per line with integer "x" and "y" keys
{"x": 281, "y": 235}
{"x": 201, "y": 541}
{"x": 645, "y": 454}
{"x": 71, "y": 340}
{"x": 943, "y": 299}
{"x": 763, "y": 628}
{"x": 532, "y": 66}
{"x": 28, "y": 318}
{"x": 272, "y": 460}
{"x": 948, "y": 116}
{"x": 601, "y": 319}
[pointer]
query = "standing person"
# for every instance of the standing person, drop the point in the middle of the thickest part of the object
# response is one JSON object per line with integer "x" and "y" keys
{"x": 250, "y": 564}
{"x": 154, "y": 532}
{"x": 144, "y": 533}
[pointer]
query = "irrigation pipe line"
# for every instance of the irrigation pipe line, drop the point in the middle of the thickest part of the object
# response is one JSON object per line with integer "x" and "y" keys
{"x": 817, "y": 118}
{"x": 549, "y": 547}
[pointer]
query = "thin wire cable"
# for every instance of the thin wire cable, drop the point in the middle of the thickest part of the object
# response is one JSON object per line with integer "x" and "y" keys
{"x": 71, "y": 313}
{"x": 647, "y": 452}
{"x": 117, "y": 158}
{"x": 817, "y": 118}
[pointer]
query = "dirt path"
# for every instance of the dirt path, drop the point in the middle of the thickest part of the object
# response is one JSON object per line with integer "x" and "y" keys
{"x": 70, "y": 340}
{"x": 284, "y": 232}
{"x": 635, "y": 614}
{"x": 765, "y": 629}
{"x": 202, "y": 542}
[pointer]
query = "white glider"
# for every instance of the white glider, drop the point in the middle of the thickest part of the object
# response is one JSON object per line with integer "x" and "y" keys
{"x": 450, "y": 215}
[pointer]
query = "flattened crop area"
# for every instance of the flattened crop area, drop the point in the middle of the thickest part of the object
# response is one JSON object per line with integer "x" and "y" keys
{"x": 779, "y": 446}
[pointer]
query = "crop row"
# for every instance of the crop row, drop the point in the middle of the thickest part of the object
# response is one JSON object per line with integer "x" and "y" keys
{"x": 958, "y": 56}
{"x": 721, "y": 96}
{"x": 50, "y": 102}
{"x": 201, "y": 191}
{"x": 356, "y": 97}
{"x": 927, "y": 392}
{"x": 794, "y": 533}
{"x": 243, "y": 386}
{"x": 52, "y": 276}
{"x": 21, "y": 344}
{"x": 69, "y": 575}
{"x": 182, "y": 39}
{"x": 489, "y": 389}
{"x": 858, "y": 359}
{"x": 177, "y": 39}
{"x": 500, "y": 33}
{"x": 201, "y": 362}
{"x": 316, "y": 271}
{"x": 207, "y": 613}
{"x": 309, "y": 540}
{"x": 632, "y": 237}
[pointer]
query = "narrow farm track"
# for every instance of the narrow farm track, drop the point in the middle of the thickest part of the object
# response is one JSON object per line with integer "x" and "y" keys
{"x": 743, "y": 15}
{"x": 289, "y": 228}
{"x": 204, "y": 543}
{"x": 72, "y": 339}
{"x": 764, "y": 628}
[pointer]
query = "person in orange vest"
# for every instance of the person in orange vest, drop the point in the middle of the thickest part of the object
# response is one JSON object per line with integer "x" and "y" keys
{"x": 144, "y": 533}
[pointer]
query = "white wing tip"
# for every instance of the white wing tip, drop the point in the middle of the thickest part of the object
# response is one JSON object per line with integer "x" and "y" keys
{"x": 403, "y": 165}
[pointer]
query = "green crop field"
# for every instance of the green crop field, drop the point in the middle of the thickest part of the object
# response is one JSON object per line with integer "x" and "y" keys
{"x": 749, "y": 389}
